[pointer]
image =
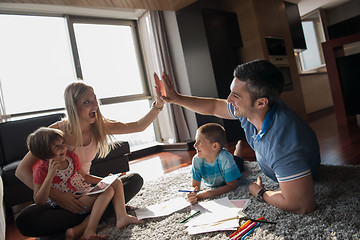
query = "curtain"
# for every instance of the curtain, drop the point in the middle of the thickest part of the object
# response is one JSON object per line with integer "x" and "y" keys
{"x": 158, "y": 59}
{"x": 3, "y": 116}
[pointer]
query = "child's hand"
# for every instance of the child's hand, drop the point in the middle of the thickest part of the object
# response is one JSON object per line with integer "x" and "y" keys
{"x": 192, "y": 197}
{"x": 53, "y": 166}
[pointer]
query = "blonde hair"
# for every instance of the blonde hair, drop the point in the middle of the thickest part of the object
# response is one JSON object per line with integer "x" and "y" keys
{"x": 39, "y": 142}
{"x": 100, "y": 130}
{"x": 214, "y": 132}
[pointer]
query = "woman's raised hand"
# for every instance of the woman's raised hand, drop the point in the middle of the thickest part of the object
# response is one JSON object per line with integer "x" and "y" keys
{"x": 159, "y": 85}
{"x": 160, "y": 91}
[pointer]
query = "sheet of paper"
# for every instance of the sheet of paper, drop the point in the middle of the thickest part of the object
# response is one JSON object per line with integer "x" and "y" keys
{"x": 162, "y": 209}
{"x": 216, "y": 215}
{"x": 229, "y": 225}
{"x": 241, "y": 203}
{"x": 217, "y": 205}
{"x": 103, "y": 184}
{"x": 210, "y": 218}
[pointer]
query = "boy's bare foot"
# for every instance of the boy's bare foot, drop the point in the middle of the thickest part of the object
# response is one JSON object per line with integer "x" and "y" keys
{"x": 127, "y": 220}
{"x": 93, "y": 237}
{"x": 238, "y": 148}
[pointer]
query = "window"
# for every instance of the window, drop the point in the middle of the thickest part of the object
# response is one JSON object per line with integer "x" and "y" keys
{"x": 312, "y": 58}
{"x": 35, "y": 63}
{"x": 41, "y": 55}
{"x": 107, "y": 53}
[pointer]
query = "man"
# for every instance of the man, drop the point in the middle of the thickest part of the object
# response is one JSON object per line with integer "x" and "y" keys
{"x": 286, "y": 147}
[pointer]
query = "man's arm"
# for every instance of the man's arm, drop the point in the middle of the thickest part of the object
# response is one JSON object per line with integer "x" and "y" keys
{"x": 202, "y": 105}
{"x": 294, "y": 196}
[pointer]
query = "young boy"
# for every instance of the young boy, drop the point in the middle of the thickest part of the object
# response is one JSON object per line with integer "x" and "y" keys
{"x": 61, "y": 170}
{"x": 212, "y": 163}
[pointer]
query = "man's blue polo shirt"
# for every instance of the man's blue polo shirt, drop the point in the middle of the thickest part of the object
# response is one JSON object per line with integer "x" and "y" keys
{"x": 286, "y": 148}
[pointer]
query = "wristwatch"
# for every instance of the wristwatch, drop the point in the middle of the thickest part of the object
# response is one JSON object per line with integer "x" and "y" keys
{"x": 260, "y": 194}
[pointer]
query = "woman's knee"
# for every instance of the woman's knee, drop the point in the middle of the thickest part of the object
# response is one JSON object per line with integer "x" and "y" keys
{"x": 137, "y": 180}
{"x": 132, "y": 184}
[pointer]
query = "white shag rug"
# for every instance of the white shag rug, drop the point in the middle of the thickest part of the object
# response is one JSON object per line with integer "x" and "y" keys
{"x": 337, "y": 215}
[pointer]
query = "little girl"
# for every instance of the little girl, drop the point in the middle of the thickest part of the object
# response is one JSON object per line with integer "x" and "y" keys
{"x": 61, "y": 170}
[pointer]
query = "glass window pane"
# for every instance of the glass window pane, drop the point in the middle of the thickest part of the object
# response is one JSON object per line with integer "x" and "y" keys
{"x": 311, "y": 56}
{"x": 35, "y": 62}
{"x": 108, "y": 59}
{"x": 36, "y": 65}
{"x": 130, "y": 112}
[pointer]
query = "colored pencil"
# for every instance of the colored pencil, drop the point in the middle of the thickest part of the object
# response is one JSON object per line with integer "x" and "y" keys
{"x": 240, "y": 228}
{"x": 249, "y": 232}
{"x": 191, "y": 216}
{"x": 245, "y": 225}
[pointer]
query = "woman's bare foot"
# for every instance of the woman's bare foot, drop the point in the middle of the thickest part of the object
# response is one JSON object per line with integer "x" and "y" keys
{"x": 93, "y": 237}
{"x": 127, "y": 220}
{"x": 70, "y": 234}
{"x": 238, "y": 148}
{"x": 77, "y": 231}
{"x": 74, "y": 233}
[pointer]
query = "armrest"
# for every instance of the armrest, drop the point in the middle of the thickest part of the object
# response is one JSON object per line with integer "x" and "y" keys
{"x": 115, "y": 162}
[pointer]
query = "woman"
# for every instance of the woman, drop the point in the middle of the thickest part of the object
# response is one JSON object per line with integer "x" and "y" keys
{"x": 87, "y": 133}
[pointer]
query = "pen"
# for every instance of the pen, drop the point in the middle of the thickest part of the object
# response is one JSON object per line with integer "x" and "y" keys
{"x": 249, "y": 232}
{"x": 189, "y": 191}
{"x": 193, "y": 215}
{"x": 261, "y": 221}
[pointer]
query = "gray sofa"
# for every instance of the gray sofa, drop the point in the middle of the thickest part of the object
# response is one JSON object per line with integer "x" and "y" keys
{"x": 13, "y": 148}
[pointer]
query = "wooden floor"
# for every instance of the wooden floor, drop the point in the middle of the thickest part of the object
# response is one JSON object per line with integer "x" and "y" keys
{"x": 338, "y": 146}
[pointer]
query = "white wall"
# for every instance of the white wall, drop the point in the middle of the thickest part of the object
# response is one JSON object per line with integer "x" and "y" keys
{"x": 316, "y": 91}
{"x": 343, "y": 12}
{"x": 178, "y": 61}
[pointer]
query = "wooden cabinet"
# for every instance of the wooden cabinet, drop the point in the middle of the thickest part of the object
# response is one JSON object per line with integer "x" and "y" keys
{"x": 296, "y": 30}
